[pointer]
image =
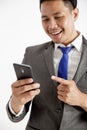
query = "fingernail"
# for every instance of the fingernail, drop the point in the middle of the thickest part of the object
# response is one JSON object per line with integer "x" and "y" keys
{"x": 52, "y": 77}
{"x": 38, "y": 85}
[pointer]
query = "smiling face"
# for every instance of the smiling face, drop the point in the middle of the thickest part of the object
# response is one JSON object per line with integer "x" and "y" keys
{"x": 58, "y": 21}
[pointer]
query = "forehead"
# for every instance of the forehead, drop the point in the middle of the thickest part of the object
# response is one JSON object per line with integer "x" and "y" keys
{"x": 49, "y": 7}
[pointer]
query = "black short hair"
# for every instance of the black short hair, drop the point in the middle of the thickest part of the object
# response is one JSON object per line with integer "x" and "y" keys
{"x": 73, "y": 2}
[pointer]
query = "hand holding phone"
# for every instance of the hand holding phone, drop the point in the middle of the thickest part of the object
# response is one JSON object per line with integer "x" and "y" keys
{"x": 23, "y": 91}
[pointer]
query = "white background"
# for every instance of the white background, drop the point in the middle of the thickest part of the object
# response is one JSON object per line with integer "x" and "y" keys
{"x": 20, "y": 26}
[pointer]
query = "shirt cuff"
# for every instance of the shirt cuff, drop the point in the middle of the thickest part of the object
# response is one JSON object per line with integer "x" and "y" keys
{"x": 12, "y": 111}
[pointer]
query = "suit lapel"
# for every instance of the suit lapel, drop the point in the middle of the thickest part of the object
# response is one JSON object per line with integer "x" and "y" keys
{"x": 48, "y": 55}
{"x": 82, "y": 68}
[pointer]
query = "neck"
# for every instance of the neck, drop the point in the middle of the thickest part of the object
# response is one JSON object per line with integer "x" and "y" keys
{"x": 77, "y": 33}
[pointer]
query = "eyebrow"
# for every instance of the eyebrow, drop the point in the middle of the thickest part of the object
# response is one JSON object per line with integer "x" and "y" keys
{"x": 57, "y": 13}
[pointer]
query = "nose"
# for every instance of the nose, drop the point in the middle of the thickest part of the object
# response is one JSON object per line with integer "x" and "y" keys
{"x": 52, "y": 24}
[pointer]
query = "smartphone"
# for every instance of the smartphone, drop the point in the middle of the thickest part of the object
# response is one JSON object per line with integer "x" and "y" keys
{"x": 23, "y": 71}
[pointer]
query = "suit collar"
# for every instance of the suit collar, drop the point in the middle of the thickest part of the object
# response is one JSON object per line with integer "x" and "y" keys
{"x": 82, "y": 68}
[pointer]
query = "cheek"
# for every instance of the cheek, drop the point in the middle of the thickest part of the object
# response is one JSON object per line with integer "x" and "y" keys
{"x": 66, "y": 21}
{"x": 45, "y": 27}
{"x": 68, "y": 25}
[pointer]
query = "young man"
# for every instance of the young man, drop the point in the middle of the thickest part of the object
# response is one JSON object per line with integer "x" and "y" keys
{"x": 57, "y": 103}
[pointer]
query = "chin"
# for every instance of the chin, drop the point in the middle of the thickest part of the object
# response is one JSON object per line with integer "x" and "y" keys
{"x": 56, "y": 41}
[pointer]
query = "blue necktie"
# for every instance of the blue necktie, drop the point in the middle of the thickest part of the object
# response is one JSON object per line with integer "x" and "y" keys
{"x": 63, "y": 65}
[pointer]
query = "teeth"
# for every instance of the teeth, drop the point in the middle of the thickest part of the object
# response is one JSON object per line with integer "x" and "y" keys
{"x": 55, "y": 33}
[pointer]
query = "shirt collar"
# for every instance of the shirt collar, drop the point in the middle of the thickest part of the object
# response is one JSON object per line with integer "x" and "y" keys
{"x": 77, "y": 43}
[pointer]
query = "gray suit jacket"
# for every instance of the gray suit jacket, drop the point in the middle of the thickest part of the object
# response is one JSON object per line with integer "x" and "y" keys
{"x": 48, "y": 113}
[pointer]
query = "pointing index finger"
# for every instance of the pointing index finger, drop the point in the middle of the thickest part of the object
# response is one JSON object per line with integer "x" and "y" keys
{"x": 60, "y": 80}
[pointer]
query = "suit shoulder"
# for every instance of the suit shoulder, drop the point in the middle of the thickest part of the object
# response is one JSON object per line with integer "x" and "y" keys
{"x": 84, "y": 40}
{"x": 39, "y": 47}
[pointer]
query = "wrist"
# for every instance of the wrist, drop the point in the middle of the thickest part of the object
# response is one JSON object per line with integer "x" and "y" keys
{"x": 83, "y": 101}
{"x": 16, "y": 107}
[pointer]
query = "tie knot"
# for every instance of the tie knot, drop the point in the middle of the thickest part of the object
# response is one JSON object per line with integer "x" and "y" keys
{"x": 65, "y": 50}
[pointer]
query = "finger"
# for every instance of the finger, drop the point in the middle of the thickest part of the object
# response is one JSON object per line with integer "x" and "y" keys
{"x": 61, "y": 93}
{"x": 22, "y": 82}
{"x": 62, "y": 87}
{"x": 25, "y": 88}
{"x": 61, "y": 98}
{"x": 60, "y": 80}
{"x": 28, "y": 96}
{"x": 30, "y": 87}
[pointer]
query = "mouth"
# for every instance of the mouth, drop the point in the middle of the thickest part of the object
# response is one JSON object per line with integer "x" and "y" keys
{"x": 56, "y": 33}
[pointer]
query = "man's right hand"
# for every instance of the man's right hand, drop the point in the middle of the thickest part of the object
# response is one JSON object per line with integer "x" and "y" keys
{"x": 23, "y": 91}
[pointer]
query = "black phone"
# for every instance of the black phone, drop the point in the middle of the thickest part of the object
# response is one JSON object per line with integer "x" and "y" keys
{"x": 23, "y": 71}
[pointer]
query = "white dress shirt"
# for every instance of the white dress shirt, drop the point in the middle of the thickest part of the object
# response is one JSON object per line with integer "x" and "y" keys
{"x": 74, "y": 56}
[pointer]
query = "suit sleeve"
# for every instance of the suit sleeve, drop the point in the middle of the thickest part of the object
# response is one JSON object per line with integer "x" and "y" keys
{"x": 14, "y": 118}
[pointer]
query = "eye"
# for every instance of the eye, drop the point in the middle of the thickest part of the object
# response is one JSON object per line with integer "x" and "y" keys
{"x": 45, "y": 19}
{"x": 58, "y": 17}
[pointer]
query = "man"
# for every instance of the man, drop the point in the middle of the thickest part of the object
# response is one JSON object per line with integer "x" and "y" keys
{"x": 57, "y": 103}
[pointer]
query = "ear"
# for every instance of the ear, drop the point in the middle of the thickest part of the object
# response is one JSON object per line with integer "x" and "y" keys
{"x": 75, "y": 14}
